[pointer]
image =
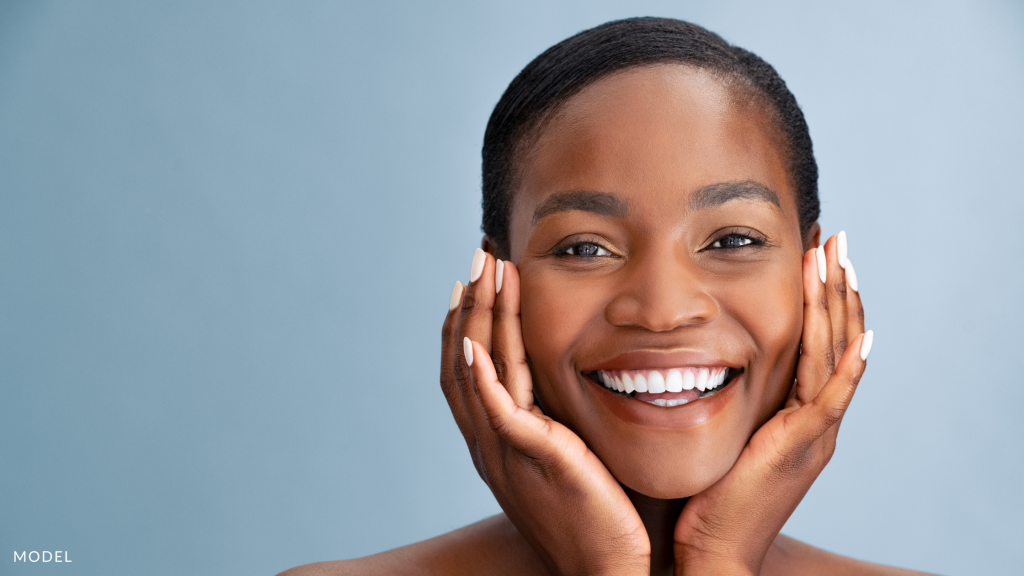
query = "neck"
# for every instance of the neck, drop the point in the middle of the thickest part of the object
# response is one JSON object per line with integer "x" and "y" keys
{"x": 659, "y": 518}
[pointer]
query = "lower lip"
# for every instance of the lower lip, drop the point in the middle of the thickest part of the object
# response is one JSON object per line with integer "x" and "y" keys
{"x": 690, "y": 414}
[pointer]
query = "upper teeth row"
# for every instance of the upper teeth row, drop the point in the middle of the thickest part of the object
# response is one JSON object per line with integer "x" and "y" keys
{"x": 658, "y": 381}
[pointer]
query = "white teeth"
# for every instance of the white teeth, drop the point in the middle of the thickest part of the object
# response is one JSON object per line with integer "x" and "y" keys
{"x": 655, "y": 382}
{"x": 660, "y": 381}
{"x": 640, "y": 383}
{"x": 702, "y": 380}
{"x": 668, "y": 402}
{"x": 626, "y": 380}
{"x": 674, "y": 381}
{"x": 688, "y": 380}
{"x": 718, "y": 379}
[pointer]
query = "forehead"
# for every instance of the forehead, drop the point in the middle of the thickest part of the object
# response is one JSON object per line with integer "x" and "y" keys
{"x": 654, "y": 135}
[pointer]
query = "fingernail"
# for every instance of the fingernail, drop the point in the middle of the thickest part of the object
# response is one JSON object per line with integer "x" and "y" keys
{"x": 820, "y": 256}
{"x": 851, "y": 275}
{"x": 841, "y": 249}
{"x": 467, "y": 349}
{"x": 456, "y": 296}
{"x": 865, "y": 344}
{"x": 479, "y": 257}
{"x": 499, "y": 271}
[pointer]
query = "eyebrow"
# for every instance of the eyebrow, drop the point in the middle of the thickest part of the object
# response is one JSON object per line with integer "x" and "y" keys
{"x": 722, "y": 192}
{"x": 601, "y": 203}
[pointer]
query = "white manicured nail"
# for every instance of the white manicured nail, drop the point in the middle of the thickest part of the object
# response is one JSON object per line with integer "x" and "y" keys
{"x": 467, "y": 349}
{"x": 479, "y": 257}
{"x": 865, "y": 344}
{"x": 820, "y": 256}
{"x": 499, "y": 270}
{"x": 456, "y": 296}
{"x": 851, "y": 276}
{"x": 841, "y": 248}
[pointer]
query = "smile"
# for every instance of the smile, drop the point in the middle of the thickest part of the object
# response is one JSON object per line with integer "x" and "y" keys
{"x": 667, "y": 387}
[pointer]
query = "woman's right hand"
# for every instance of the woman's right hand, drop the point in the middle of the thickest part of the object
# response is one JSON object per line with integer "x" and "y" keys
{"x": 556, "y": 492}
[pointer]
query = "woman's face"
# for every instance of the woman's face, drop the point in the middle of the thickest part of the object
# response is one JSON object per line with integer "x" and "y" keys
{"x": 657, "y": 237}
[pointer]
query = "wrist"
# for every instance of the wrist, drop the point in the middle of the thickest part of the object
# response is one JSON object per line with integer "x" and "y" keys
{"x": 693, "y": 561}
{"x": 713, "y": 568}
{"x": 596, "y": 566}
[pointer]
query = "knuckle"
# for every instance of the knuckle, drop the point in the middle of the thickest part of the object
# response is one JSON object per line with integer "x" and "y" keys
{"x": 840, "y": 289}
{"x": 840, "y": 345}
{"x": 831, "y": 415}
{"x": 830, "y": 361}
{"x": 543, "y": 468}
{"x": 501, "y": 367}
{"x": 823, "y": 301}
{"x": 449, "y": 390}
{"x": 469, "y": 301}
{"x": 500, "y": 425}
{"x": 461, "y": 370}
{"x": 788, "y": 463}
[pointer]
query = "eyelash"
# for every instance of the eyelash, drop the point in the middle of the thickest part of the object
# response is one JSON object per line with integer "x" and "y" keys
{"x": 567, "y": 251}
{"x": 747, "y": 242}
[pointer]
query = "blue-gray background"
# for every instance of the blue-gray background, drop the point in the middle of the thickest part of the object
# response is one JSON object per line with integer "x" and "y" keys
{"x": 228, "y": 234}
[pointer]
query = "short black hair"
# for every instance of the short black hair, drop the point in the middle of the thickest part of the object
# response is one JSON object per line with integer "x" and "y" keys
{"x": 568, "y": 67}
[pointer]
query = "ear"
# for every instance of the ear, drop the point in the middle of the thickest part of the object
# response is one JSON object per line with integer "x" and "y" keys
{"x": 813, "y": 237}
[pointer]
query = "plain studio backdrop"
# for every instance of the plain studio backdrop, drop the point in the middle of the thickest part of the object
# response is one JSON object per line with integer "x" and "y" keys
{"x": 229, "y": 231}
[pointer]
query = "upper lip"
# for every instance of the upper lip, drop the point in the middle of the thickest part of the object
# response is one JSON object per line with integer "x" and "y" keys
{"x": 661, "y": 360}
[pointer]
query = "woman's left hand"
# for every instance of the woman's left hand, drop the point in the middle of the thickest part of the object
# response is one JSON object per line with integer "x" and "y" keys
{"x": 728, "y": 528}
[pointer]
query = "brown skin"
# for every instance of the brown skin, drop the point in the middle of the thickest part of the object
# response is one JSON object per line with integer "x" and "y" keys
{"x": 597, "y": 483}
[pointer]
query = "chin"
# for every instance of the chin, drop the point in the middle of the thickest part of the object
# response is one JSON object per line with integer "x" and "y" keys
{"x": 668, "y": 470}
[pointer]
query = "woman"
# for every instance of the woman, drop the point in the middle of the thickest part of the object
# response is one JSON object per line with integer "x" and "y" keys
{"x": 654, "y": 353}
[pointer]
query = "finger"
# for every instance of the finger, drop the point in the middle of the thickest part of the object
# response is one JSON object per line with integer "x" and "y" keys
{"x": 524, "y": 430}
{"x": 854, "y": 307}
{"x": 449, "y": 385}
{"x": 828, "y": 408}
{"x": 507, "y": 350}
{"x": 475, "y": 322}
{"x": 817, "y": 357}
{"x": 836, "y": 289}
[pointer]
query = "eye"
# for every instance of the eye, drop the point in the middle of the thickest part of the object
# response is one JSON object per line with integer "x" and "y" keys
{"x": 734, "y": 241}
{"x": 584, "y": 250}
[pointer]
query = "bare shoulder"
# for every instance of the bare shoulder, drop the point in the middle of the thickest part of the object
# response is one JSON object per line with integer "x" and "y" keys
{"x": 491, "y": 546}
{"x": 791, "y": 557}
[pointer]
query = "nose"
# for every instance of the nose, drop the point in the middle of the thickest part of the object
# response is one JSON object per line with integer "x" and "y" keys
{"x": 662, "y": 294}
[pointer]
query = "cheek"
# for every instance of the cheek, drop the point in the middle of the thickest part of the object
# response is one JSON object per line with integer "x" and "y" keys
{"x": 770, "y": 309}
{"x": 769, "y": 304}
{"x": 555, "y": 313}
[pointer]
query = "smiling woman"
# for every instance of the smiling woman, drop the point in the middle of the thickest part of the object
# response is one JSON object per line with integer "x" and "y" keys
{"x": 654, "y": 353}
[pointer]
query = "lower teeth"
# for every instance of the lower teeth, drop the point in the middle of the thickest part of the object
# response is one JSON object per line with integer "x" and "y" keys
{"x": 669, "y": 403}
